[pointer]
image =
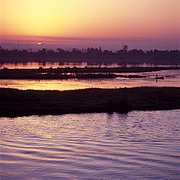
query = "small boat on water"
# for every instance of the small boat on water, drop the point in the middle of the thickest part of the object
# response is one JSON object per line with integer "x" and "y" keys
{"x": 159, "y": 77}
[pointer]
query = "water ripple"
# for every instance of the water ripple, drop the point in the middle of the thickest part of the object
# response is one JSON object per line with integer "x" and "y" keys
{"x": 140, "y": 145}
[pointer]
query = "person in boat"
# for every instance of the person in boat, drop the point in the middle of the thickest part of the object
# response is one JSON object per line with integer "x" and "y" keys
{"x": 159, "y": 77}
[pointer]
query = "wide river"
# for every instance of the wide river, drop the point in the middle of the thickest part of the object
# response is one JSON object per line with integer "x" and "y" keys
{"x": 171, "y": 79}
{"x": 139, "y": 145}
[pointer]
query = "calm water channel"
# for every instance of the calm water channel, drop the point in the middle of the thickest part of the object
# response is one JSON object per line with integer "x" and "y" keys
{"x": 36, "y": 65}
{"x": 171, "y": 79}
{"x": 139, "y": 145}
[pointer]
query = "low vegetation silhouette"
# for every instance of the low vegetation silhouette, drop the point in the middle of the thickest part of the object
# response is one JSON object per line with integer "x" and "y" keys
{"x": 30, "y": 102}
{"x": 80, "y": 73}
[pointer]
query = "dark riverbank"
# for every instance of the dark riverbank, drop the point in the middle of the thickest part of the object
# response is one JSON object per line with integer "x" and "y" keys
{"x": 21, "y": 103}
{"x": 78, "y": 73}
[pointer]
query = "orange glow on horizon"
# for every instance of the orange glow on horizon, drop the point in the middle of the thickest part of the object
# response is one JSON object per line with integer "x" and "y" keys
{"x": 90, "y": 18}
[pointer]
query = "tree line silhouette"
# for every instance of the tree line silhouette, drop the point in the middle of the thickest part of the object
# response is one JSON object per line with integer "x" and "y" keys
{"x": 92, "y": 55}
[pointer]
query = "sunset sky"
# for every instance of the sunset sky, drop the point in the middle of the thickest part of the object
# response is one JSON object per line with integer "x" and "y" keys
{"x": 108, "y": 23}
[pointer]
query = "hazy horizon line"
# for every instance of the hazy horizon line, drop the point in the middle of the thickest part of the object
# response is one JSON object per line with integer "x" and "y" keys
{"x": 112, "y": 43}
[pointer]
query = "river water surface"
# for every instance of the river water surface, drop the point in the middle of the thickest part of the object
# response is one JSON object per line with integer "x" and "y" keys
{"x": 139, "y": 145}
{"x": 171, "y": 79}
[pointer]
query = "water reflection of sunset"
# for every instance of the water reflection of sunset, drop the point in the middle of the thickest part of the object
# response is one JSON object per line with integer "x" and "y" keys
{"x": 172, "y": 80}
{"x": 46, "y": 65}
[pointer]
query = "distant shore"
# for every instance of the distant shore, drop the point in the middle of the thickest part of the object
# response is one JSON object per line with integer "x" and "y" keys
{"x": 92, "y": 55}
{"x": 15, "y": 103}
{"x": 77, "y": 73}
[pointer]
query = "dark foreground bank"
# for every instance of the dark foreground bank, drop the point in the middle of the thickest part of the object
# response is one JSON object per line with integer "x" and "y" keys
{"x": 20, "y": 103}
